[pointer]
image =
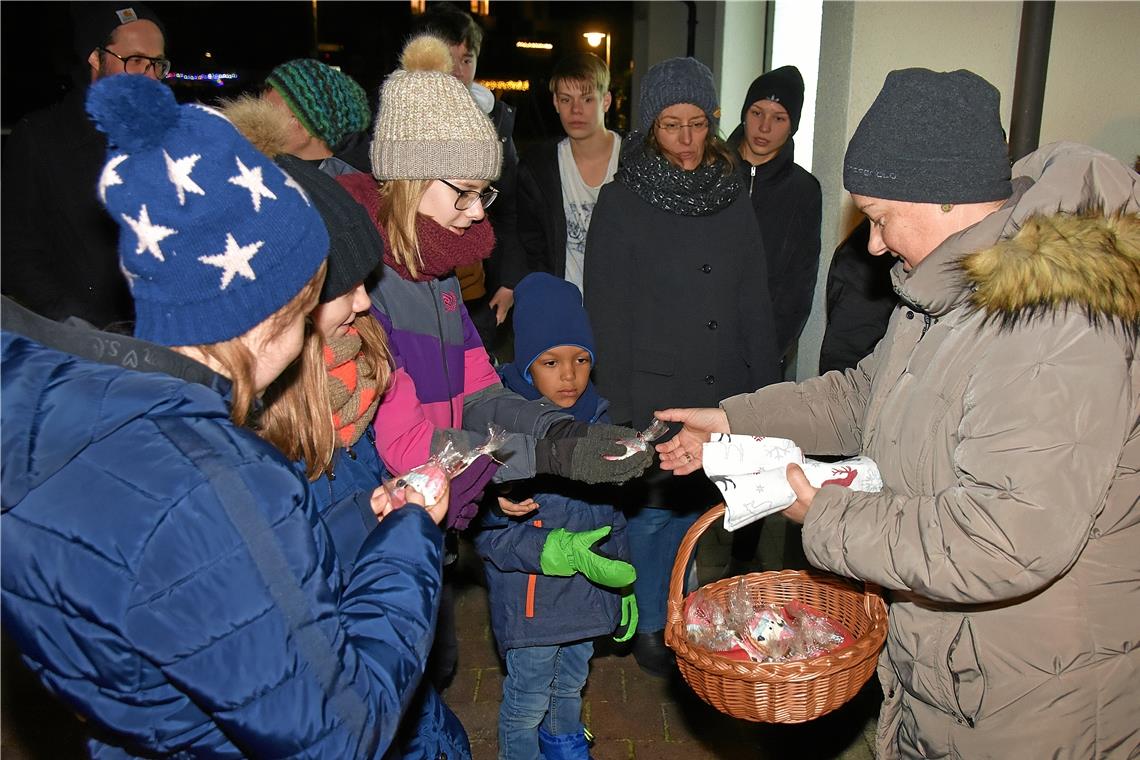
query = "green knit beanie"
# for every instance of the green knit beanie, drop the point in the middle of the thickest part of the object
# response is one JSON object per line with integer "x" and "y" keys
{"x": 328, "y": 102}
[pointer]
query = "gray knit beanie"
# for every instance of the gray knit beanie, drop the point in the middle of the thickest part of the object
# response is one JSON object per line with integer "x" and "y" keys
{"x": 677, "y": 80}
{"x": 930, "y": 137}
{"x": 429, "y": 126}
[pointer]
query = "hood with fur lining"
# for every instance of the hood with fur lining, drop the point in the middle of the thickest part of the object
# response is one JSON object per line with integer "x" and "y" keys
{"x": 1087, "y": 260}
{"x": 260, "y": 122}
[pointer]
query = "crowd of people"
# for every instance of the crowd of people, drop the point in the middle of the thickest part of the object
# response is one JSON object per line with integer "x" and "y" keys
{"x": 242, "y": 342}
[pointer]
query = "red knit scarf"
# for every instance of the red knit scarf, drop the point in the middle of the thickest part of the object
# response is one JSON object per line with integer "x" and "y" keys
{"x": 441, "y": 250}
{"x": 353, "y": 398}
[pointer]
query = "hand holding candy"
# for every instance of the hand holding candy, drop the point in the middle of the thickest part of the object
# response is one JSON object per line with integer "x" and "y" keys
{"x": 426, "y": 485}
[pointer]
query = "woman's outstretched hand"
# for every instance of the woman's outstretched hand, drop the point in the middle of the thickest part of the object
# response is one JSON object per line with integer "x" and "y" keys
{"x": 682, "y": 452}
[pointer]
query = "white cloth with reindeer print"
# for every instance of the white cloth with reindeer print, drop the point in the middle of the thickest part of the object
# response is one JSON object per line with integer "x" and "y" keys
{"x": 750, "y": 472}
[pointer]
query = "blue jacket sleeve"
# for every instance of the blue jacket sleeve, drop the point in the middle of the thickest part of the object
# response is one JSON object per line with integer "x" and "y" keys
{"x": 516, "y": 547}
{"x": 249, "y": 617}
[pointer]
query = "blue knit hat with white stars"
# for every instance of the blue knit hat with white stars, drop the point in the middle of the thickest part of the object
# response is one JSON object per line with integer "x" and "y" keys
{"x": 214, "y": 237}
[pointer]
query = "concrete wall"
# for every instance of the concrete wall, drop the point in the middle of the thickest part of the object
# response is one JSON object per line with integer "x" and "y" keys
{"x": 1092, "y": 94}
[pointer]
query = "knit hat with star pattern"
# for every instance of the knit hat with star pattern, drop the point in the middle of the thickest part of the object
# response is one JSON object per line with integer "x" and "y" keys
{"x": 429, "y": 126}
{"x": 214, "y": 237}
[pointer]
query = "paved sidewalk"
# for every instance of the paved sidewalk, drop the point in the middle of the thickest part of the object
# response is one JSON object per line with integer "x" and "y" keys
{"x": 637, "y": 717}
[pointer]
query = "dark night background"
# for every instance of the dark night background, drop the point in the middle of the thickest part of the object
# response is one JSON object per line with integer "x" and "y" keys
{"x": 363, "y": 38}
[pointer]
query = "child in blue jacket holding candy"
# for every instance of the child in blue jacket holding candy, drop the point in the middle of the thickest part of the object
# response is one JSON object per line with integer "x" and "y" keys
{"x": 558, "y": 576}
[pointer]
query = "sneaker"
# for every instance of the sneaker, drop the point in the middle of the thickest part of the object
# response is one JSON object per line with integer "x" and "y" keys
{"x": 652, "y": 655}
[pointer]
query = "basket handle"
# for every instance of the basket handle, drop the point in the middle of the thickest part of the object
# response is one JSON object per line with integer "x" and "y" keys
{"x": 684, "y": 552}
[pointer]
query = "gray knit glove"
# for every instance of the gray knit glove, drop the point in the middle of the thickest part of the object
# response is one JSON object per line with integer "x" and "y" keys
{"x": 582, "y": 459}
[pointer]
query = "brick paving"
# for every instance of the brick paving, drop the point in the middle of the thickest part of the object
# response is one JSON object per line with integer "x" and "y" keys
{"x": 634, "y": 716}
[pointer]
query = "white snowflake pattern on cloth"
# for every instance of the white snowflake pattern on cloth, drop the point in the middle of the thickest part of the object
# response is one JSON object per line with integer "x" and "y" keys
{"x": 235, "y": 260}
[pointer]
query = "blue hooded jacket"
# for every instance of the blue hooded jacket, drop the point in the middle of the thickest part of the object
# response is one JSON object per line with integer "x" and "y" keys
{"x": 527, "y": 607}
{"x": 166, "y": 574}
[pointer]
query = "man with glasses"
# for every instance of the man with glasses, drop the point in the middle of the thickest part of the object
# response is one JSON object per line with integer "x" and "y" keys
{"x": 60, "y": 256}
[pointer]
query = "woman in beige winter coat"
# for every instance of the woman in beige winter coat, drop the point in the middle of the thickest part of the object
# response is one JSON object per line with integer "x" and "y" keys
{"x": 1002, "y": 407}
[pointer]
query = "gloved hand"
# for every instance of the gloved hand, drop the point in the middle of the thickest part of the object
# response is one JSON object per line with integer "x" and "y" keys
{"x": 566, "y": 552}
{"x": 628, "y": 617}
{"x": 582, "y": 459}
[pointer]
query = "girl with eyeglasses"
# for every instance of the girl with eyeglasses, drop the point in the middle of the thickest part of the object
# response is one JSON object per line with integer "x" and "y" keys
{"x": 677, "y": 289}
{"x": 434, "y": 154}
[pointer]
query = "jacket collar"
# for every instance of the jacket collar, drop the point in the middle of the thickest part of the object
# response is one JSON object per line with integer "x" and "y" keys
{"x": 79, "y": 338}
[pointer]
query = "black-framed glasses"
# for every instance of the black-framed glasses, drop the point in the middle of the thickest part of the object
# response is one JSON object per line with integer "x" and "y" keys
{"x": 141, "y": 64}
{"x": 467, "y": 198}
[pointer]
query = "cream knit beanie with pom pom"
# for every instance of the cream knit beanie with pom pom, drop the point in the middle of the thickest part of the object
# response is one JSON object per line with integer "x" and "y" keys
{"x": 429, "y": 126}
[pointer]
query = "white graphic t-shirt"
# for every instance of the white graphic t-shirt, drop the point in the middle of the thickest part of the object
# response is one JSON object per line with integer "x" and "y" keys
{"x": 578, "y": 201}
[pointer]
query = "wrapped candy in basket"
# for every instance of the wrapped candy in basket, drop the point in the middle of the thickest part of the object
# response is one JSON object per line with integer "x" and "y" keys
{"x": 775, "y": 647}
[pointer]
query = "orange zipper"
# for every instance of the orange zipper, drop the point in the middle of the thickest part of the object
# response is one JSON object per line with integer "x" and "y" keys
{"x": 531, "y": 582}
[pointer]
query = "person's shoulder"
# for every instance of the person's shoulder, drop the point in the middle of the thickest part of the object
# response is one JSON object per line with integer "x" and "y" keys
{"x": 803, "y": 180}
{"x": 542, "y": 152}
{"x": 63, "y": 120}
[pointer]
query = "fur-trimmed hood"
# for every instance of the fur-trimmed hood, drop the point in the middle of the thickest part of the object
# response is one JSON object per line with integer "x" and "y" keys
{"x": 260, "y": 122}
{"x": 1068, "y": 236}
{"x": 1088, "y": 260}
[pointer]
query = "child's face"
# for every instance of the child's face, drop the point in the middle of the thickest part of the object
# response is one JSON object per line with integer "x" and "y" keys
{"x": 561, "y": 374}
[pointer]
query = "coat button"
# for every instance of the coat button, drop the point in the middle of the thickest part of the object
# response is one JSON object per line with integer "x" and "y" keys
{"x": 351, "y": 454}
{"x": 910, "y": 315}
{"x": 706, "y": 268}
{"x": 711, "y": 324}
{"x": 709, "y": 379}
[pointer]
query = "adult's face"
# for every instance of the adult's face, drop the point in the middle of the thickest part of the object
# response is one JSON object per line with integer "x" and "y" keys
{"x": 680, "y": 131}
{"x": 906, "y": 230}
{"x": 141, "y": 37}
{"x": 438, "y": 204}
{"x": 580, "y": 109}
{"x": 767, "y": 127}
{"x": 334, "y": 318}
{"x": 463, "y": 63}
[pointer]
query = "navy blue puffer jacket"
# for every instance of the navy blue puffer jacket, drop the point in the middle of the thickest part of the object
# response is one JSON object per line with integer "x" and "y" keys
{"x": 167, "y": 575}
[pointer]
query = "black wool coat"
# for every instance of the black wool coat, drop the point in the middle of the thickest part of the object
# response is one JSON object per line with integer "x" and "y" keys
{"x": 787, "y": 202}
{"x": 541, "y": 214}
{"x": 60, "y": 246}
{"x": 679, "y": 304}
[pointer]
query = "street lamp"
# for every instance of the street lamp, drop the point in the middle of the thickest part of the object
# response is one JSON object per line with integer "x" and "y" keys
{"x": 593, "y": 39}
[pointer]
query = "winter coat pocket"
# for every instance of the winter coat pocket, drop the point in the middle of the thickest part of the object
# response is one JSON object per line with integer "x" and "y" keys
{"x": 653, "y": 362}
{"x": 965, "y": 670}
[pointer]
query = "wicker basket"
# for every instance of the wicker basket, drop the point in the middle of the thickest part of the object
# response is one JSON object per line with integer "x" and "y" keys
{"x": 788, "y": 692}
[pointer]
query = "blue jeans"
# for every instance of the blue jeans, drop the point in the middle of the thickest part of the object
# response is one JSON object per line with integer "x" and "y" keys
{"x": 654, "y": 536}
{"x": 543, "y": 688}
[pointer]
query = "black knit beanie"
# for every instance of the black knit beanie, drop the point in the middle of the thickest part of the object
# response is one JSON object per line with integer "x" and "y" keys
{"x": 677, "y": 80}
{"x": 930, "y": 137}
{"x": 94, "y": 23}
{"x": 355, "y": 247}
{"x": 785, "y": 86}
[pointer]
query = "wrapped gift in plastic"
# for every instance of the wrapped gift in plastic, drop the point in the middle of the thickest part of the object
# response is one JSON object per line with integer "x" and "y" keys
{"x": 431, "y": 477}
{"x": 740, "y": 629}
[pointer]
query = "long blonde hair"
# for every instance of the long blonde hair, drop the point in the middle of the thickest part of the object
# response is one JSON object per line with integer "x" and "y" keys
{"x": 399, "y": 206}
{"x": 297, "y": 418}
{"x": 238, "y": 362}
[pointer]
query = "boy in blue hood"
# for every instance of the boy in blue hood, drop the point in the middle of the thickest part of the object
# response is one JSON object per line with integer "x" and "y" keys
{"x": 552, "y": 587}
